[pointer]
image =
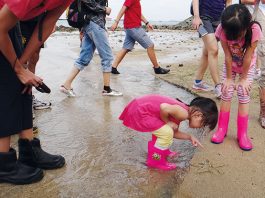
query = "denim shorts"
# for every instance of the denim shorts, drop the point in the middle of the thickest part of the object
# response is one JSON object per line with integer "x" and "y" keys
{"x": 209, "y": 24}
{"x": 95, "y": 37}
{"x": 136, "y": 35}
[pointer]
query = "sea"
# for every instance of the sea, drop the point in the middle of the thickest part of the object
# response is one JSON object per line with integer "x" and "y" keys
{"x": 63, "y": 22}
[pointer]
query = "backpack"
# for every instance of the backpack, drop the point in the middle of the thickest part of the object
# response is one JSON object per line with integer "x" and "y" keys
{"x": 76, "y": 18}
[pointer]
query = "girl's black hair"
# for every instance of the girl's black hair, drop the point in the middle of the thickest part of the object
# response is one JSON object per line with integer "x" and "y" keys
{"x": 209, "y": 110}
{"x": 235, "y": 20}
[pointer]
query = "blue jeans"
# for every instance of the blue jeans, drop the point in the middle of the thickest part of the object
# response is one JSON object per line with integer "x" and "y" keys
{"x": 95, "y": 37}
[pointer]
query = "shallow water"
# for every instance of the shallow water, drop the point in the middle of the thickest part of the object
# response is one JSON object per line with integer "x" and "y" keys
{"x": 103, "y": 157}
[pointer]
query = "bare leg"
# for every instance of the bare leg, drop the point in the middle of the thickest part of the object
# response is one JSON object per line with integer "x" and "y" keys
{"x": 4, "y": 144}
{"x": 33, "y": 61}
{"x": 26, "y": 134}
{"x": 225, "y": 106}
{"x": 106, "y": 78}
{"x": 209, "y": 58}
{"x": 152, "y": 56}
{"x": 68, "y": 83}
{"x": 211, "y": 45}
{"x": 243, "y": 109}
{"x": 119, "y": 57}
{"x": 203, "y": 65}
{"x": 262, "y": 102}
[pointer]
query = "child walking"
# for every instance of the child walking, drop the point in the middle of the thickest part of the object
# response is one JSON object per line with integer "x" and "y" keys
{"x": 162, "y": 115}
{"x": 135, "y": 33}
{"x": 239, "y": 36}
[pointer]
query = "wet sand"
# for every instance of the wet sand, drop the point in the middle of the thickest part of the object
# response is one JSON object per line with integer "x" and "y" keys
{"x": 103, "y": 157}
{"x": 106, "y": 159}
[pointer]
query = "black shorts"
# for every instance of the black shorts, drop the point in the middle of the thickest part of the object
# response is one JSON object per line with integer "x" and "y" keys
{"x": 27, "y": 29}
{"x": 15, "y": 108}
{"x": 209, "y": 24}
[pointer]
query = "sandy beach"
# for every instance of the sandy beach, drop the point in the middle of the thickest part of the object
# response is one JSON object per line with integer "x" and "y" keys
{"x": 218, "y": 170}
{"x": 105, "y": 159}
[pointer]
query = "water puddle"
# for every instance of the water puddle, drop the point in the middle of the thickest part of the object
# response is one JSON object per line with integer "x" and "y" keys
{"x": 103, "y": 157}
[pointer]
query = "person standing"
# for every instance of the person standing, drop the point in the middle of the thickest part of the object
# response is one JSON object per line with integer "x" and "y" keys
{"x": 27, "y": 28}
{"x": 207, "y": 14}
{"x": 239, "y": 36}
{"x": 260, "y": 17}
{"x": 15, "y": 89}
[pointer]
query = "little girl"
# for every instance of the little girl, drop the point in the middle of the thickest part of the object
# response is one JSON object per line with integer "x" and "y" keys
{"x": 162, "y": 115}
{"x": 239, "y": 36}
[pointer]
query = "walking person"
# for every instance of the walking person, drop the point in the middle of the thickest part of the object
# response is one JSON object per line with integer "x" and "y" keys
{"x": 94, "y": 37}
{"x": 133, "y": 17}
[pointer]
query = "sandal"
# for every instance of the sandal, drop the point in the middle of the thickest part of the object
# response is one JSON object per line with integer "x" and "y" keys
{"x": 68, "y": 92}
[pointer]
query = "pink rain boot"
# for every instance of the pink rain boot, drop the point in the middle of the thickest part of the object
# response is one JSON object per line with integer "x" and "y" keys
{"x": 157, "y": 159}
{"x": 169, "y": 153}
{"x": 151, "y": 144}
{"x": 219, "y": 135}
{"x": 242, "y": 137}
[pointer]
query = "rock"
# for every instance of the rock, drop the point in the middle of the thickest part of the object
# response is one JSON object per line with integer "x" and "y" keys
{"x": 181, "y": 65}
{"x": 184, "y": 25}
{"x": 62, "y": 28}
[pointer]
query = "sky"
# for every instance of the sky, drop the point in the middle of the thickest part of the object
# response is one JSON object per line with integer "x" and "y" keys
{"x": 159, "y": 10}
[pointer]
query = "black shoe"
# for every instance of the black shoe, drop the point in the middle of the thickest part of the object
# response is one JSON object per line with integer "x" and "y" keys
{"x": 14, "y": 172}
{"x": 161, "y": 70}
{"x": 31, "y": 153}
{"x": 114, "y": 70}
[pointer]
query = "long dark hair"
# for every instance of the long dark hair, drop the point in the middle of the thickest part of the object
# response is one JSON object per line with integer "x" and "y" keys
{"x": 209, "y": 110}
{"x": 207, "y": 107}
{"x": 235, "y": 20}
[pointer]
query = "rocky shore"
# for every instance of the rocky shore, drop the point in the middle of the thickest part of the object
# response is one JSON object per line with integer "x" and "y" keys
{"x": 184, "y": 25}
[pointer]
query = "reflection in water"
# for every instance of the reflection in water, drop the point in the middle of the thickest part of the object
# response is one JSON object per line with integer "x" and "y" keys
{"x": 103, "y": 157}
